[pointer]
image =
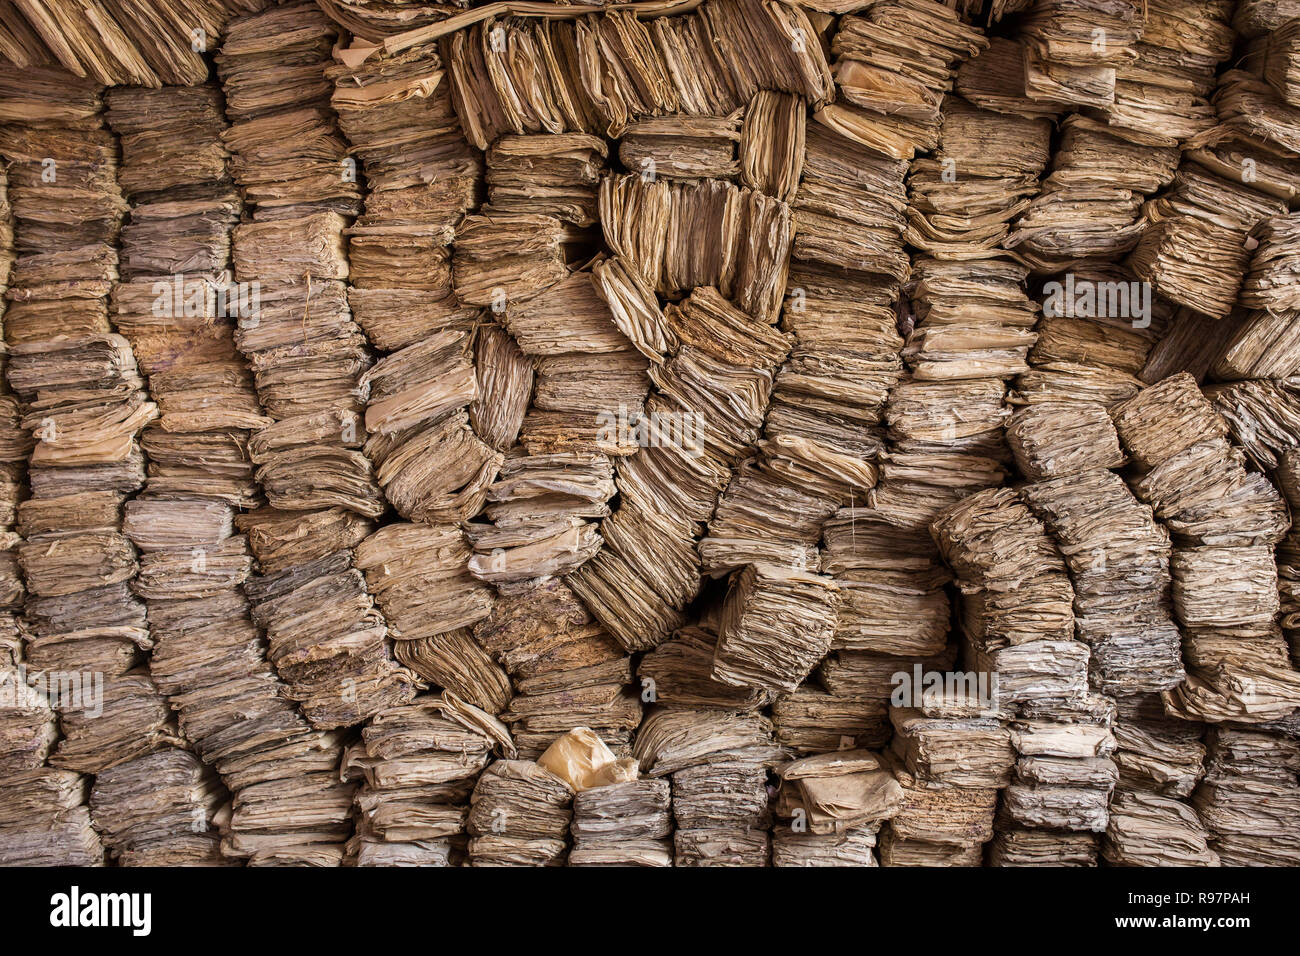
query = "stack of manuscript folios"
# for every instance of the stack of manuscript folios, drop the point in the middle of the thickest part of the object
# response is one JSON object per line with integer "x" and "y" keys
{"x": 568, "y": 671}
{"x": 1224, "y": 521}
{"x": 1018, "y": 622}
{"x": 1160, "y": 94}
{"x": 1090, "y": 204}
{"x": 894, "y": 62}
{"x": 599, "y": 74}
{"x": 682, "y": 146}
{"x": 894, "y": 615}
{"x": 1250, "y": 796}
{"x": 1160, "y": 759}
{"x": 119, "y": 42}
{"x": 1074, "y": 48}
{"x": 548, "y": 495}
{"x": 326, "y": 638}
{"x": 831, "y": 807}
{"x": 418, "y": 763}
{"x": 703, "y": 414}
{"x": 417, "y": 574}
{"x": 1116, "y": 553}
{"x": 821, "y": 435}
{"x": 84, "y": 401}
{"x": 376, "y": 19}
{"x": 1266, "y": 345}
{"x": 395, "y": 111}
{"x": 981, "y": 176}
{"x": 718, "y": 761}
{"x": 1281, "y": 60}
{"x": 28, "y": 724}
{"x": 1194, "y": 251}
{"x": 423, "y": 397}
{"x": 994, "y": 79}
{"x": 973, "y": 321}
{"x": 623, "y": 824}
{"x": 519, "y": 816}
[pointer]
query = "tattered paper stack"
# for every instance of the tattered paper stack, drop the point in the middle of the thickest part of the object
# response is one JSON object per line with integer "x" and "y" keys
{"x": 1063, "y": 780}
{"x": 684, "y": 146}
{"x": 568, "y": 670}
{"x": 428, "y": 460}
{"x": 1224, "y": 521}
{"x": 984, "y": 171}
{"x": 1115, "y": 551}
{"x": 158, "y": 810}
{"x": 894, "y": 612}
{"x": 1160, "y": 93}
{"x": 1065, "y": 61}
{"x": 937, "y": 826}
{"x": 1156, "y": 752}
{"x": 704, "y": 412}
{"x": 1249, "y": 796}
{"x": 543, "y": 511}
{"x": 44, "y": 820}
{"x": 1150, "y": 830}
{"x": 775, "y": 626}
{"x": 623, "y": 824}
{"x": 417, "y": 574}
{"x": 1090, "y": 204}
{"x": 831, "y": 808}
{"x": 519, "y": 816}
{"x": 291, "y": 165}
{"x": 718, "y": 762}
{"x": 893, "y": 65}
{"x": 418, "y": 763}
{"x": 679, "y": 673}
{"x": 84, "y": 402}
{"x": 1098, "y": 331}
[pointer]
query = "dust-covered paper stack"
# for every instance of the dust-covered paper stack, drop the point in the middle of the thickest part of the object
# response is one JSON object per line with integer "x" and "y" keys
{"x": 418, "y": 764}
{"x": 568, "y": 670}
{"x": 1223, "y": 520}
{"x": 718, "y": 763}
{"x": 519, "y": 816}
{"x": 1248, "y": 795}
{"x": 831, "y": 808}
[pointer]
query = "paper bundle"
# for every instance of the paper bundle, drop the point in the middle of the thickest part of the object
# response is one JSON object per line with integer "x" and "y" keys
{"x": 519, "y": 816}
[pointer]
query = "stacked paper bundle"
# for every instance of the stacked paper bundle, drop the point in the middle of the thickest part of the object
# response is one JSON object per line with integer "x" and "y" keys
{"x": 84, "y": 402}
{"x": 623, "y": 824}
{"x": 598, "y": 75}
{"x": 1074, "y": 48}
{"x": 831, "y": 808}
{"x": 1017, "y": 618}
{"x": 395, "y": 111}
{"x": 1219, "y": 193}
{"x": 1249, "y": 797}
{"x": 1115, "y": 551}
{"x": 44, "y": 820}
{"x": 419, "y": 763}
{"x": 980, "y": 177}
{"x": 568, "y": 671}
{"x": 683, "y": 146}
{"x": 119, "y": 41}
{"x": 1224, "y": 521}
{"x": 1160, "y": 759}
{"x": 1160, "y": 93}
{"x": 417, "y": 574}
{"x": 326, "y": 639}
{"x": 894, "y": 62}
{"x": 718, "y": 763}
{"x": 519, "y": 816}
{"x": 704, "y": 412}
{"x": 1099, "y": 181}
